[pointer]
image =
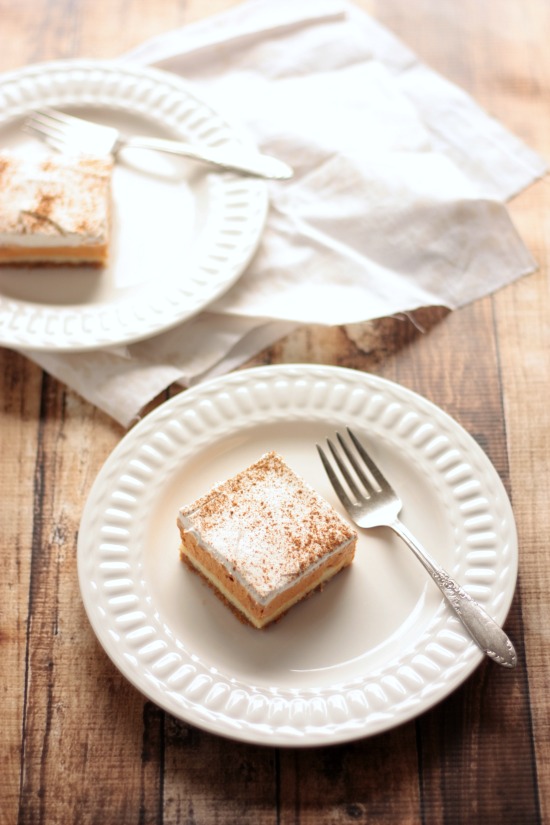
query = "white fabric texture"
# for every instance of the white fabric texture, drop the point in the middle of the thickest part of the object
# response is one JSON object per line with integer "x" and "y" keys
{"x": 398, "y": 199}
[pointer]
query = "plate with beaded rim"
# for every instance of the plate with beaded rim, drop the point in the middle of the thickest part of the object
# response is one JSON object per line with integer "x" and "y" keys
{"x": 378, "y": 645}
{"x": 182, "y": 233}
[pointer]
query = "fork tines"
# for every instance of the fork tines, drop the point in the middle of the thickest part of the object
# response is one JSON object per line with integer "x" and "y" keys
{"x": 44, "y": 124}
{"x": 37, "y": 124}
{"x": 372, "y": 481}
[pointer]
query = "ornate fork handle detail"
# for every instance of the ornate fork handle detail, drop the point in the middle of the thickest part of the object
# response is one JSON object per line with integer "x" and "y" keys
{"x": 481, "y": 627}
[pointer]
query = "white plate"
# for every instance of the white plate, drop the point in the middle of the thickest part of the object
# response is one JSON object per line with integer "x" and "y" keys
{"x": 378, "y": 645}
{"x": 182, "y": 234}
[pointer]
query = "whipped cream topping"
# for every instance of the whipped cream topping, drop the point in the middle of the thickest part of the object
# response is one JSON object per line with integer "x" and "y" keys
{"x": 54, "y": 200}
{"x": 267, "y": 527}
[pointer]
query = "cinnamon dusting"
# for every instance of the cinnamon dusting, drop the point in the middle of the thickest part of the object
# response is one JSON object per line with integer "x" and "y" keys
{"x": 38, "y": 216}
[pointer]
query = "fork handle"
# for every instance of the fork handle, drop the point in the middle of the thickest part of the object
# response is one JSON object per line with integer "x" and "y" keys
{"x": 229, "y": 158}
{"x": 482, "y": 628}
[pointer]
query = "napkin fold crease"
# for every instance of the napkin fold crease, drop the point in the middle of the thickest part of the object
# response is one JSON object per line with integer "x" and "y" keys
{"x": 398, "y": 200}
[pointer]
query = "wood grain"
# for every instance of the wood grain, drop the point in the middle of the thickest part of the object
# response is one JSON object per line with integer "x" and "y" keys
{"x": 79, "y": 743}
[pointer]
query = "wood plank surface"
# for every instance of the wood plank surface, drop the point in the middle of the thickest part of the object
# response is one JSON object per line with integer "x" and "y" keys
{"x": 79, "y": 743}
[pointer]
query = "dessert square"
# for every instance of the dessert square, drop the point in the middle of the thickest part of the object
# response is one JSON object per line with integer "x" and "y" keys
{"x": 264, "y": 539}
{"x": 54, "y": 209}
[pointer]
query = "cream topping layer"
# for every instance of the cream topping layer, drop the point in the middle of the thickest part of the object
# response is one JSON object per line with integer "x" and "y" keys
{"x": 54, "y": 200}
{"x": 267, "y": 527}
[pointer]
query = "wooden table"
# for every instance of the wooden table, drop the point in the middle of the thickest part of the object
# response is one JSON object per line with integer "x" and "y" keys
{"x": 79, "y": 744}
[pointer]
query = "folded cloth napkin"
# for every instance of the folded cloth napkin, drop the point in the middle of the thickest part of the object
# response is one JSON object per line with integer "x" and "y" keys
{"x": 397, "y": 201}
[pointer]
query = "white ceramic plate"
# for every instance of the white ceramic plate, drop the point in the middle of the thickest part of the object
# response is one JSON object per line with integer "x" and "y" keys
{"x": 378, "y": 645}
{"x": 182, "y": 234}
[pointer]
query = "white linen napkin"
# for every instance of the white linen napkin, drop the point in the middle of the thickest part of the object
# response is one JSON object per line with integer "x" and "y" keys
{"x": 397, "y": 201}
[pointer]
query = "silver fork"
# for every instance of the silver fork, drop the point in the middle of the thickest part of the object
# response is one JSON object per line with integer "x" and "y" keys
{"x": 67, "y": 132}
{"x": 374, "y": 503}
